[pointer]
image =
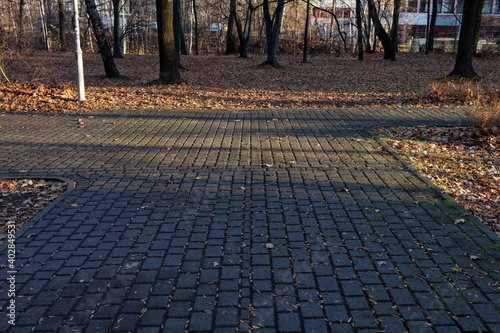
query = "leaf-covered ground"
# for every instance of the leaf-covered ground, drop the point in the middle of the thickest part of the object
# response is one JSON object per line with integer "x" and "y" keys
{"x": 463, "y": 161}
{"x": 45, "y": 81}
{"x": 22, "y": 199}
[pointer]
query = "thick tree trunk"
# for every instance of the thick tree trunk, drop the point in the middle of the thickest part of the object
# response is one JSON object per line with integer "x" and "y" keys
{"x": 463, "y": 64}
{"x": 102, "y": 41}
{"x": 306, "y": 32}
{"x": 273, "y": 27}
{"x": 387, "y": 43}
{"x": 360, "y": 29}
{"x": 477, "y": 26}
{"x": 117, "y": 53}
{"x": 232, "y": 33}
{"x": 62, "y": 26}
{"x": 169, "y": 71}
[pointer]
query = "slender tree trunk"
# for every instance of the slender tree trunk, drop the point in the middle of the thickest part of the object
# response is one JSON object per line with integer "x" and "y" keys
{"x": 177, "y": 30}
{"x": 244, "y": 35}
{"x": 62, "y": 26}
{"x": 368, "y": 33}
{"x": 395, "y": 26}
{"x": 432, "y": 28}
{"x": 477, "y": 27}
{"x": 273, "y": 27}
{"x": 195, "y": 27}
{"x": 360, "y": 29}
{"x": 20, "y": 25}
{"x": 232, "y": 33}
{"x": 306, "y": 32}
{"x": 102, "y": 41}
{"x": 117, "y": 53}
{"x": 387, "y": 43}
{"x": 169, "y": 72}
{"x": 43, "y": 18}
{"x": 463, "y": 64}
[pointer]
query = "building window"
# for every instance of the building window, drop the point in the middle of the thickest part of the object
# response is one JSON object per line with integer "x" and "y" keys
{"x": 449, "y": 6}
{"x": 488, "y": 5}
{"x": 424, "y": 6}
{"x": 440, "y": 5}
{"x": 490, "y": 32}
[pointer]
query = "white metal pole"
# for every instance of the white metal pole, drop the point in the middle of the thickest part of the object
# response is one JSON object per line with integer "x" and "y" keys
{"x": 79, "y": 58}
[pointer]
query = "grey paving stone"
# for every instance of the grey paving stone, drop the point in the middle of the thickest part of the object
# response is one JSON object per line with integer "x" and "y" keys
{"x": 166, "y": 217}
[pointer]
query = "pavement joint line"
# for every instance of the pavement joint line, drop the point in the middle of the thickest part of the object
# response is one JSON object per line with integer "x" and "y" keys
{"x": 186, "y": 234}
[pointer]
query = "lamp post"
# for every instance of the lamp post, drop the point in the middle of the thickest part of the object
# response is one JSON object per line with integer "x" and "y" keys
{"x": 79, "y": 58}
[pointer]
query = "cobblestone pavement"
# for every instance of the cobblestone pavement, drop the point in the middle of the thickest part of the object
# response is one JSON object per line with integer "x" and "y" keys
{"x": 262, "y": 221}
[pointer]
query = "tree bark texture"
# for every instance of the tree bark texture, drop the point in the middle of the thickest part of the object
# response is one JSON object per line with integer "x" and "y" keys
{"x": 20, "y": 24}
{"x": 232, "y": 33}
{"x": 273, "y": 27}
{"x": 177, "y": 21}
{"x": 360, "y": 29}
{"x": 102, "y": 41}
{"x": 432, "y": 28}
{"x": 306, "y": 32}
{"x": 477, "y": 26}
{"x": 62, "y": 26}
{"x": 195, "y": 28}
{"x": 117, "y": 53}
{"x": 463, "y": 63}
{"x": 385, "y": 39}
{"x": 169, "y": 71}
{"x": 395, "y": 26}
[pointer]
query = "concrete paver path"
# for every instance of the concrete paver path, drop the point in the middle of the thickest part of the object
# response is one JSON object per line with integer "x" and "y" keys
{"x": 224, "y": 221}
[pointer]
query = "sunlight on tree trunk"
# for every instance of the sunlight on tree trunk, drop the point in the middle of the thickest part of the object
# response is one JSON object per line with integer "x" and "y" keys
{"x": 102, "y": 41}
{"x": 169, "y": 72}
{"x": 273, "y": 27}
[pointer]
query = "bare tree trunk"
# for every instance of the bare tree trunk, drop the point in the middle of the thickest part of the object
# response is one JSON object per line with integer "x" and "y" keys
{"x": 117, "y": 53}
{"x": 62, "y": 26}
{"x": 244, "y": 35}
{"x": 368, "y": 33}
{"x": 395, "y": 26}
{"x": 273, "y": 27}
{"x": 432, "y": 28}
{"x": 195, "y": 28}
{"x": 463, "y": 64}
{"x": 102, "y": 41}
{"x": 43, "y": 19}
{"x": 387, "y": 43}
{"x": 20, "y": 25}
{"x": 306, "y": 32}
{"x": 360, "y": 29}
{"x": 232, "y": 33}
{"x": 169, "y": 72}
{"x": 477, "y": 26}
{"x": 177, "y": 30}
